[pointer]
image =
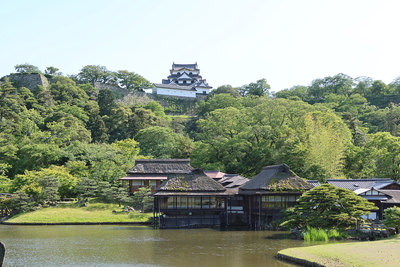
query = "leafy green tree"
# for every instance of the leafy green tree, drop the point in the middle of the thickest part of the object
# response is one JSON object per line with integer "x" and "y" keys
{"x": 259, "y": 88}
{"x": 132, "y": 81}
{"x": 86, "y": 188}
{"x": 226, "y": 89}
{"x": 339, "y": 84}
{"x": 21, "y": 202}
{"x": 379, "y": 88}
{"x": 156, "y": 141}
{"x": 26, "y": 68}
{"x": 142, "y": 199}
{"x": 296, "y": 92}
{"x": 363, "y": 85}
{"x": 53, "y": 71}
{"x": 327, "y": 206}
{"x": 218, "y": 101}
{"x": 112, "y": 193}
{"x": 64, "y": 90}
{"x": 157, "y": 109}
{"x": 385, "y": 149}
{"x": 327, "y": 139}
{"x": 50, "y": 185}
{"x": 106, "y": 101}
{"x": 95, "y": 73}
{"x": 392, "y": 218}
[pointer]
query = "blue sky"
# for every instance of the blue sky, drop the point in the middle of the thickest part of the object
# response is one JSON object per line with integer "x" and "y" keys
{"x": 234, "y": 42}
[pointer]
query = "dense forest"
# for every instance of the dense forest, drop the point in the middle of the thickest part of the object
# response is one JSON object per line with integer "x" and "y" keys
{"x": 73, "y": 137}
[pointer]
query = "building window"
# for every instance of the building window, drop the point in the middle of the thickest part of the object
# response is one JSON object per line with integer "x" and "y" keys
{"x": 279, "y": 202}
{"x": 137, "y": 182}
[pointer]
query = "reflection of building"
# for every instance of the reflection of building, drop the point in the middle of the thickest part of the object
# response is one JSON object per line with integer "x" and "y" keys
{"x": 152, "y": 172}
{"x": 184, "y": 81}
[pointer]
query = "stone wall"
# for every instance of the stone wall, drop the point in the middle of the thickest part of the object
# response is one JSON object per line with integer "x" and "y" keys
{"x": 28, "y": 80}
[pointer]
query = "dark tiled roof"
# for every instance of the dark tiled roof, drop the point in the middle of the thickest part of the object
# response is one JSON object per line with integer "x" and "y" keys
{"x": 354, "y": 184}
{"x": 276, "y": 177}
{"x": 160, "y": 166}
{"x": 195, "y": 181}
{"x": 394, "y": 196}
{"x": 233, "y": 180}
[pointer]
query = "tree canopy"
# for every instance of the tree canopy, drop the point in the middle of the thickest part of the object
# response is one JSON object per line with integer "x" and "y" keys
{"x": 327, "y": 206}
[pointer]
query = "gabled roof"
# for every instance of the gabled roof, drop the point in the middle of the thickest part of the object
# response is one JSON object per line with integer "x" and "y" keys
{"x": 184, "y": 76}
{"x": 160, "y": 166}
{"x": 394, "y": 196}
{"x": 194, "y": 182}
{"x": 276, "y": 177}
{"x": 354, "y": 184}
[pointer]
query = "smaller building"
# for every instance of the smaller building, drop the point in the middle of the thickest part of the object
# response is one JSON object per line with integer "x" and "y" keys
{"x": 153, "y": 172}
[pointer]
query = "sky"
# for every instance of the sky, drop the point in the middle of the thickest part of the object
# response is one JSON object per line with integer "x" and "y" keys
{"x": 287, "y": 42}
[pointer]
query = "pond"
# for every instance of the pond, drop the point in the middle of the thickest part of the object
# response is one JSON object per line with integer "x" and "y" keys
{"x": 113, "y": 245}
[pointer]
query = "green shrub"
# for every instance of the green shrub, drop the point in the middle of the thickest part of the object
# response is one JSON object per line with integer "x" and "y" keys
{"x": 315, "y": 234}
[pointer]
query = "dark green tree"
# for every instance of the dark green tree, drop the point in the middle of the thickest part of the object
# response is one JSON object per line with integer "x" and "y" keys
{"x": 392, "y": 218}
{"x": 327, "y": 206}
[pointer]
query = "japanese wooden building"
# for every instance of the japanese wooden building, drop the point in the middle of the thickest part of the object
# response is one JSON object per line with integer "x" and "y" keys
{"x": 275, "y": 188}
{"x": 190, "y": 200}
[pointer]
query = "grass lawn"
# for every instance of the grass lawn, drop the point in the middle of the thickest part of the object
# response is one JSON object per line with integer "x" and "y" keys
{"x": 365, "y": 254}
{"x": 96, "y": 212}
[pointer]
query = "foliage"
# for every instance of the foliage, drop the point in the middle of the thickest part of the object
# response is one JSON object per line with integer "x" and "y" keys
{"x": 392, "y": 218}
{"x": 142, "y": 199}
{"x": 26, "y": 68}
{"x": 327, "y": 206}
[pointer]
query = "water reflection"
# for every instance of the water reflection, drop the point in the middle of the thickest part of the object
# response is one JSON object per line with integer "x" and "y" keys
{"x": 140, "y": 246}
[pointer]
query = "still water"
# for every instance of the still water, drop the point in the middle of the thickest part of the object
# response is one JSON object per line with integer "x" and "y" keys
{"x": 110, "y": 245}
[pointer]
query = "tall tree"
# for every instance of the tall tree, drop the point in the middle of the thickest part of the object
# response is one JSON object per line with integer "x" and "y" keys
{"x": 132, "y": 81}
{"x": 95, "y": 73}
{"x": 259, "y": 88}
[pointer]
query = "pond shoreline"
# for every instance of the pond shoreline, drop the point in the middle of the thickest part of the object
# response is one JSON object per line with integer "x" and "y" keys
{"x": 298, "y": 261}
